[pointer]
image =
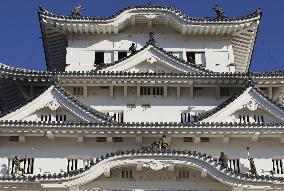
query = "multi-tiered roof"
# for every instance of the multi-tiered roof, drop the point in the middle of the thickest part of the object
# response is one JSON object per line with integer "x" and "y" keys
{"x": 55, "y": 29}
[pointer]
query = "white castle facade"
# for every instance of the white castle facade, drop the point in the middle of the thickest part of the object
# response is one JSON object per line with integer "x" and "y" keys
{"x": 146, "y": 99}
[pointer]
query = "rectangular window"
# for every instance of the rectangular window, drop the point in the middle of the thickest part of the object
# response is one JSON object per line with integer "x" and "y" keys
{"x": 204, "y": 139}
{"x": 247, "y": 118}
{"x": 126, "y": 174}
{"x": 99, "y": 58}
{"x": 185, "y": 118}
{"x": 87, "y": 162}
{"x": 187, "y": 139}
{"x": 104, "y": 87}
{"x": 151, "y": 91}
{"x": 61, "y": 117}
{"x": 45, "y": 117}
{"x": 101, "y": 139}
{"x": 122, "y": 55}
{"x": 14, "y": 138}
{"x": 117, "y": 139}
{"x": 72, "y": 164}
{"x": 145, "y": 90}
{"x": 27, "y": 165}
{"x": 190, "y": 56}
{"x": 196, "y": 57}
{"x": 116, "y": 116}
{"x": 146, "y": 105}
{"x": 258, "y": 118}
{"x": 244, "y": 118}
{"x": 131, "y": 105}
{"x": 78, "y": 90}
{"x": 234, "y": 164}
{"x": 198, "y": 91}
{"x": 183, "y": 174}
{"x": 224, "y": 91}
{"x": 277, "y": 165}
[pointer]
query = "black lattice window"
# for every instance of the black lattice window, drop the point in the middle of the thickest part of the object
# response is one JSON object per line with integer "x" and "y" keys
{"x": 27, "y": 165}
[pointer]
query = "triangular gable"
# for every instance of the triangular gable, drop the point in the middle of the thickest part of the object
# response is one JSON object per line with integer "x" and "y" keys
{"x": 153, "y": 59}
{"x": 54, "y": 98}
{"x": 249, "y": 103}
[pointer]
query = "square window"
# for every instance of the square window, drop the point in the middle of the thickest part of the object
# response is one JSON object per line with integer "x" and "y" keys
{"x": 122, "y": 55}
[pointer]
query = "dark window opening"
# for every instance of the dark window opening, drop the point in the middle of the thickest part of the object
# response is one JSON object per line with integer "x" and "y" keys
{"x": 101, "y": 139}
{"x": 28, "y": 166}
{"x": 104, "y": 87}
{"x": 117, "y": 139}
{"x": 190, "y": 56}
{"x": 72, "y": 164}
{"x": 60, "y": 117}
{"x": 78, "y": 90}
{"x": 146, "y": 105}
{"x": 277, "y": 166}
{"x": 183, "y": 174}
{"x": 14, "y": 138}
{"x": 204, "y": 139}
{"x": 224, "y": 91}
{"x": 131, "y": 105}
{"x": 99, "y": 58}
{"x": 187, "y": 139}
{"x": 45, "y": 117}
{"x": 126, "y": 174}
{"x": 122, "y": 55}
{"x": 118, "y": 117}
{"x": 185, "y": 117}
{"x": 234, "y": 164}
{"x": 156, "y": 91}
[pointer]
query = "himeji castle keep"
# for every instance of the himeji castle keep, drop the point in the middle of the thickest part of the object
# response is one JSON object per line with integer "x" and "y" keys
{"x": 148, "y": 99}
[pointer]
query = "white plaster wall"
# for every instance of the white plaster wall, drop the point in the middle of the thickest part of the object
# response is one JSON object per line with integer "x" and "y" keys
{"x": 162, "y": 109}
{"x": 51, "y": 155}
{"x": 158, "y": 180}
{"x": 152, "y": 67}
{"x": 81, "y": 49}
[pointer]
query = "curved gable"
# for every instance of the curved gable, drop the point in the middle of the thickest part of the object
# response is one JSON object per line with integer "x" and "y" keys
{"x": 248, "y": 106}
{"x": 52, "y": 100}
{"x": 152, "y": 58}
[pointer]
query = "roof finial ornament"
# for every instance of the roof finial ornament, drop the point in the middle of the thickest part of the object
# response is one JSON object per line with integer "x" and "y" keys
{"x": 40, "y": 8}
{"x": 249, "y": 82}
{"x": 132, "y": 48}
{"x": 219, "y": 11}
{"x": 258, "y": 11}
{"x": 76, "y": 12}
{"x": 151, "y": 40}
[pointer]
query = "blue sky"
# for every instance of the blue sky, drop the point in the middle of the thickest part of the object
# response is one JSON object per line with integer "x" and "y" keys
{"x": 21, "y": 46}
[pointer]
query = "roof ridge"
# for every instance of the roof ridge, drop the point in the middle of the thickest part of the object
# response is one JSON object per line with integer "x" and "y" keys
{"x": 203, "y": 157}
{"x": 82, "y": 105}
{"x": 22, "y": 104}
{"x": 147, "y": 124}
{"x": 69, "y": 97}
{"x": 171, "y": 9}
{"x": 248, "y": 84}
